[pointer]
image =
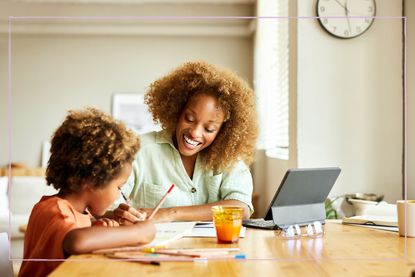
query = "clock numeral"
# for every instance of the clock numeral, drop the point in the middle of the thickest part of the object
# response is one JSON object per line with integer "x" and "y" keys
{"x": 334, "y": 29}
{"x": 346, "y": 33}
{"x": 322, "y": 9}
{"x": 370, "y": 9}
{"x": 358, "y": 29}
{"x": 325, "y": 21}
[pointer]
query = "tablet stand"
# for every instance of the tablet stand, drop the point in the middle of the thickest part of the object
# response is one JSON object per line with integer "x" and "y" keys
{"x": 297, "y": 214}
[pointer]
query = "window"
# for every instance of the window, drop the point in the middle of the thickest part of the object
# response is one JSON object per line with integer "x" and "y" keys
{"x": 130, "y": 108}
{"x": 271, "y": 77}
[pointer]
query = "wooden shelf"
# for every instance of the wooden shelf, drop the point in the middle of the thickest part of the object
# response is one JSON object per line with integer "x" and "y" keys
{"x": 36, "y": 171}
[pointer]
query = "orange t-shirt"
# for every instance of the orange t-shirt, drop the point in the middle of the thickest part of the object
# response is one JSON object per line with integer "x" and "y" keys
{"x": 51, "y": 219}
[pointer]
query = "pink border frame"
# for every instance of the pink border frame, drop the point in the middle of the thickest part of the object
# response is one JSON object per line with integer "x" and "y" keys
{"x": 10, "y": 121}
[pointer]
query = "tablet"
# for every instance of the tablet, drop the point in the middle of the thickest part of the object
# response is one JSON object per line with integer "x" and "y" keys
{"x": 299, "y": 198}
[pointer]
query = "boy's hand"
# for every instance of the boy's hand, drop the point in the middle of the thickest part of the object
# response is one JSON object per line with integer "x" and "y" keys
{"x": 127, "y": 215}
{"x": 106, "y": 222}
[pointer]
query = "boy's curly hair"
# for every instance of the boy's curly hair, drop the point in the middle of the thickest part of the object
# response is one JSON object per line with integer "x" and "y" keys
{"x": 167, "y": 97}
{"x": 90, "y": 146}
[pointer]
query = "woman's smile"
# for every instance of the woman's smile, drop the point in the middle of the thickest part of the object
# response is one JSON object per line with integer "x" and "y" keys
{"x": 192, "y": 144}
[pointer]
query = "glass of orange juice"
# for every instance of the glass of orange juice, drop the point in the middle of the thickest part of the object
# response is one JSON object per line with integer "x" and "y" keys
{"x": 228, "y": 222}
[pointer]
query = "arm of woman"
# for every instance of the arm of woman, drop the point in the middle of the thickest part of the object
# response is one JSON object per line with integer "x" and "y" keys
{"x": 194, "y": 213}
{"x": 235, "y": 189}
{"x": 86, "y": 240}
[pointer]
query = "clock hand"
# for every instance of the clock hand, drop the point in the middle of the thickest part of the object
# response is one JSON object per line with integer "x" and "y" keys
{"x": 342, "y": 5}
{"x": 347, "y": 16}
{"x": 345, "y": 6}
{"x": 346, "y": 10}
{"x": 348, "y": 23}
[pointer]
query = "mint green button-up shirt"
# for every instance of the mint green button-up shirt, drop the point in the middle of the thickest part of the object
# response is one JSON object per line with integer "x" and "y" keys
{"x": 158, "y": 165}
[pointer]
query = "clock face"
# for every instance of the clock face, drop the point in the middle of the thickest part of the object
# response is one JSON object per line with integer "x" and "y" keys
{"x": 346, "y": 18}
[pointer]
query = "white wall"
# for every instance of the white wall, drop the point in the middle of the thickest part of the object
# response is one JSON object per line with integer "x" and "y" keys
{"x": 53, "y": 73}
{"x": 3, "y": 102}
{"x": 349, "y": 102}
{"x": 410, "y": 76}
{"x": 346, "y": 105}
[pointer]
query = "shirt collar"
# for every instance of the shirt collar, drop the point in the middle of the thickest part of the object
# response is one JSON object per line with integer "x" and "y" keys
{"x": 164, "y": 136}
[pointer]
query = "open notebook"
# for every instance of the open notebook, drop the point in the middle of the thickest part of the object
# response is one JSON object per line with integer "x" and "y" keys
{"x": 171, "y": 231}
{"x": 382, "y": 214}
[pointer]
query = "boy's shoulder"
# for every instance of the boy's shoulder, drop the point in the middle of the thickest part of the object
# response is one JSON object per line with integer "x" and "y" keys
{"x": 48, "y": 201}
{"x": 55, "y": 208}
{"x": 52, "y": 204}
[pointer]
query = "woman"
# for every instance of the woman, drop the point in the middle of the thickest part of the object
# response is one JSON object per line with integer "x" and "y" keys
{"x": 208, "y": 139}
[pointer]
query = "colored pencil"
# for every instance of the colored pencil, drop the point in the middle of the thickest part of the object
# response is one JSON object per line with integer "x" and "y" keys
{"x": 160, "y": 203}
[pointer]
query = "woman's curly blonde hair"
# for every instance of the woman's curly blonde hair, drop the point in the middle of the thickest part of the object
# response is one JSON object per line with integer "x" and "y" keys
{"x": 167, "y": 97}
{"x": 90, "y": 146}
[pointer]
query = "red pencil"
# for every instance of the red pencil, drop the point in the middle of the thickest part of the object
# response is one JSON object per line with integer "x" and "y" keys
{"x": 161, "y": 202}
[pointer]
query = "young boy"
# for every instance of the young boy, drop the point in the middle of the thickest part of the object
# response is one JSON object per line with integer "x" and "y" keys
{"x": 91, "y": 156}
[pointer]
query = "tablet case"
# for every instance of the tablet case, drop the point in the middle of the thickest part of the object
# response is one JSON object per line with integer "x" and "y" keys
{"x": 301, "y": 195}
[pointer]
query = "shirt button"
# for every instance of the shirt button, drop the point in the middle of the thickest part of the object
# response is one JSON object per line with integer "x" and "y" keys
{"x": 193, "y": 190}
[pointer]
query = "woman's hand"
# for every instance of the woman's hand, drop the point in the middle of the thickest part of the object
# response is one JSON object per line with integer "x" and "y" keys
{"x": 105, "y": 222}
{"x": 127, "y": 215}
{"x": 162, "y": 215}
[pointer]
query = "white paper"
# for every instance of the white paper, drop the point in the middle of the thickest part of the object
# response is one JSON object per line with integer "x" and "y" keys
{"x": 384, "y": 228}
{"x": 207, "y": 230}
{"x": 382, "y": 209}
{"x": 165, "y": 233}
{"x": 171, "y": 231}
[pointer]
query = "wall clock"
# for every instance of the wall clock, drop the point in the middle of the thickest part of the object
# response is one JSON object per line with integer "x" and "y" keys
{"x": 346, "y": 18}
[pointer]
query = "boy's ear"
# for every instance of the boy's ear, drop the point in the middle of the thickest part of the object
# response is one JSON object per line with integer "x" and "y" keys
{"x": 88, "y": 186}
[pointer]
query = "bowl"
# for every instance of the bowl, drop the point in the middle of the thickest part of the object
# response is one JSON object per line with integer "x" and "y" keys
{"x": 361, "y": 206}
{"x": 365, "y": 196}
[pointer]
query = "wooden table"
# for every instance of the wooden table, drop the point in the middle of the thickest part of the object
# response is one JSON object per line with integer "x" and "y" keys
{"x": 344, "y": 250}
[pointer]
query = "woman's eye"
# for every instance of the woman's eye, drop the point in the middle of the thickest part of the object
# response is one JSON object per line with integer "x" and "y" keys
{"x": 189, "y": 119}
{"x": 210, "y": 130}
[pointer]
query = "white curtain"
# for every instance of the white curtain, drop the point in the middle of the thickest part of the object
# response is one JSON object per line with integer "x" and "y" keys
{"x": 271, "y": 76}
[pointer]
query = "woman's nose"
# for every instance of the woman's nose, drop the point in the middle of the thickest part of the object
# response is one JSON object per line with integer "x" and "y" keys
{"x": 195, "y": 131}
